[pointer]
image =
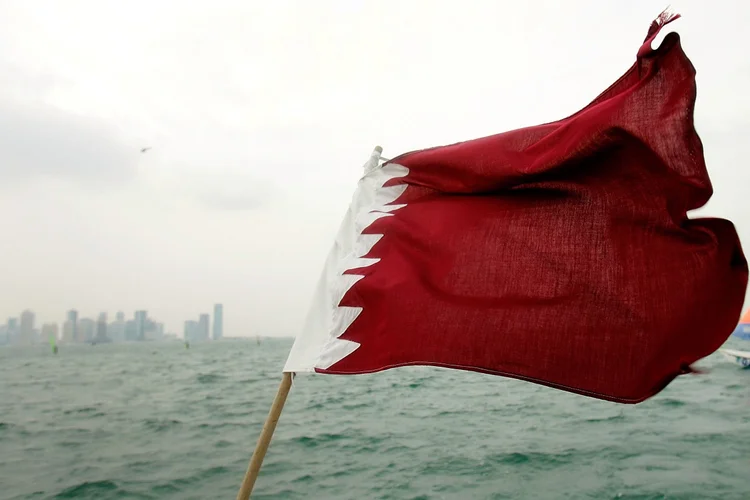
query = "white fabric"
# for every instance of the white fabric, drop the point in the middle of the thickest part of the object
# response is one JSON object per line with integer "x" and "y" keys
{"x": 318, "y": 344}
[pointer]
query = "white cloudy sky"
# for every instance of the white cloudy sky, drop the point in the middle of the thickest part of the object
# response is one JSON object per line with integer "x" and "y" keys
{"x": 260, "y": 115}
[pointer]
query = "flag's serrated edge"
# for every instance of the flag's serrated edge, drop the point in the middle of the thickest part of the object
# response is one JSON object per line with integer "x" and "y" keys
{"x": 319, "y": 345}
{"x": 372, "y": 201}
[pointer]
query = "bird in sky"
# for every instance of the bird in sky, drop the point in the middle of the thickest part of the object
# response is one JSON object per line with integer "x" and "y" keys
{"x": 143, "y": 150}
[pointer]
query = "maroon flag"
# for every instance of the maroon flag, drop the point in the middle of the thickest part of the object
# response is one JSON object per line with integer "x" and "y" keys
{"x": 560, "y": 254}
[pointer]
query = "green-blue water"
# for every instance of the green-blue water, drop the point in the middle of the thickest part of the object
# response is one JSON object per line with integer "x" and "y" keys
{"x": 153, "y": 421}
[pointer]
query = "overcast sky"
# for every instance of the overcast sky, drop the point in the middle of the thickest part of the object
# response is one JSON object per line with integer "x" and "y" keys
{"x": 261, "y": 114}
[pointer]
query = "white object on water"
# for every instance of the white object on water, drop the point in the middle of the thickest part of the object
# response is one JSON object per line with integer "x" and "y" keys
{"x": 742, "y": 358}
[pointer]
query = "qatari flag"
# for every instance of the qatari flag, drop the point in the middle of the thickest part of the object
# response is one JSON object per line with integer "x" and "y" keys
{"x": 559, "y": 254}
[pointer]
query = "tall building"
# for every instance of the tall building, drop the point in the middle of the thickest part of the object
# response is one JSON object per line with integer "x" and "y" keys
{"x": 203, "y": 326}
{"x": 191, "y": 330}
{"x": 86, "y": 329}
{"x": 158, "y": 331}
{"x": 153, "y": 330}
{"x": 140, "y": 324}
{"x": 68, "y": 332}
{"x": 218, "y": 329}
{"x": 116, "y": 329}
{"x": 131, "y": 331}
{"x": 26, "y": 332}
{"x": 101, "y": 328}
{"x": 71, "y": 325}
{"x": 11, "y": 330}
{"x": 49, "y": 330}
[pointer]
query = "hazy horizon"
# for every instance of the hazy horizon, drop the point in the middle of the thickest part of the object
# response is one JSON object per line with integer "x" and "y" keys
{"x": 260, "y": 116}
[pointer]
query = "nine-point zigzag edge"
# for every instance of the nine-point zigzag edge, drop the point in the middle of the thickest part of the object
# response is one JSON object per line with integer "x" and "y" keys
{"x": 371, "y": 201}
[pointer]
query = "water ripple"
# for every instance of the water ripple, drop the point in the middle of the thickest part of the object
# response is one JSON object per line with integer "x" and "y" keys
{"x": 158, "y": 421}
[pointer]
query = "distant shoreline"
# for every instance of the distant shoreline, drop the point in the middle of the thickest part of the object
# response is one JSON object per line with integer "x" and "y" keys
{"x": 151, "y": 341}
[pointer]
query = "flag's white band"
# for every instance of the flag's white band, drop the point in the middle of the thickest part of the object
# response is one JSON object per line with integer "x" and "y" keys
{"x": 318, "y": 345}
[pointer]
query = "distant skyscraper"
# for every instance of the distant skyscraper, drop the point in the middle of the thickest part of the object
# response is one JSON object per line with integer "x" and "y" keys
{"x": 218, "y": 321}
{"x": 12, "y": 330}
{"x": 191, "y": 330}
{"x": 203, "y": 326}
{"x": 101, "y": 328}
{"x": 158, "y": 331}
{"x": 67, "y": 332}
{"x": 116, "y": 329}
{"x": 49, "y": 330}
{"x": 140, "y": 324}
{"x": 86, "y": 329}
{"x": 131, "y": 331}
{"x": 27, "y": 328}
{"x": 70, "y": 330}
{"x": 153, "y": 330}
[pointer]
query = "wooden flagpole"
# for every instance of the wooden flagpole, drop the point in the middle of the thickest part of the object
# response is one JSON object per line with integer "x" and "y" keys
{"x": 264, "y": 440}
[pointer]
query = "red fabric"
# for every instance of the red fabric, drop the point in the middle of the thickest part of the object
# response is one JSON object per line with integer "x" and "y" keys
{"x": 559, "y": 254}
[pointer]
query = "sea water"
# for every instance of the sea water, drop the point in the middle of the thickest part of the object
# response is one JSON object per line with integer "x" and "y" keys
{"x": 159, "y": 421}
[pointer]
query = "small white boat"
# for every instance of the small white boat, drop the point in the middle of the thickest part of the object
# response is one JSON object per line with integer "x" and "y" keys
{"x": 742, "y": 358}
{"x": 743, "y": 329}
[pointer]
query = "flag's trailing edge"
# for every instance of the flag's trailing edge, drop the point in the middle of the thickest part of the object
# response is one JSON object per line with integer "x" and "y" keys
{"x": 560, "y": 254}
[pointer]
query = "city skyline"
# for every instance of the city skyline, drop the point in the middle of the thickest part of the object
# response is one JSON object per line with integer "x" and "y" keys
{"x": 24, "y": 329}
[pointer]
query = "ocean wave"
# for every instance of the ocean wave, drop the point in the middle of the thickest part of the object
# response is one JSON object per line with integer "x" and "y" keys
{"x": 209, "y": 378}
{"x": 93, "y": 490}
{"x": 188, "y": 432}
